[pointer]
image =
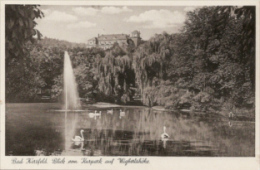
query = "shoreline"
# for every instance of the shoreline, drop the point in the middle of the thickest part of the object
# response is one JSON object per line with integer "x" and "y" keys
{"x": 103, "y": 105}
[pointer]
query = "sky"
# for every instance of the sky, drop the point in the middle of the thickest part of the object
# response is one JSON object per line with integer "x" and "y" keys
{"x": 80, "y": 23}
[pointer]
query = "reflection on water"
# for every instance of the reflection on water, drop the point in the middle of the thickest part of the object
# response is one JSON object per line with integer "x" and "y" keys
{"x": 35, "y": 129}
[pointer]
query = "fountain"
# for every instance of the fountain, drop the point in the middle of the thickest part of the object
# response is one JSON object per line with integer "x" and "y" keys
{"x": 70, "y": 86}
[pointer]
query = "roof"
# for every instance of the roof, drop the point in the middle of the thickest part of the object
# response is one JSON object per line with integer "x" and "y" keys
{"x": 94, "y": 38}
{"x": 113, "y": 37}
{"x": 135, "y": 31}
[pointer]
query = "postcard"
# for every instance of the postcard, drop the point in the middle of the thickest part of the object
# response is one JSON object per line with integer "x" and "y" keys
{"x": 129, "y": 85}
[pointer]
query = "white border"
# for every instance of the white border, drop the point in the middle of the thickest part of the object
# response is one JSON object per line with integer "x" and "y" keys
{"x": 201, "y": 163}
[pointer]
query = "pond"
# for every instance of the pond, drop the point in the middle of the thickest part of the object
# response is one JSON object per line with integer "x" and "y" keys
{"x": 43, "y": 129}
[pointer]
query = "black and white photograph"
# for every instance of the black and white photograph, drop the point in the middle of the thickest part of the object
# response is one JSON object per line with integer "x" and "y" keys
{"x": 146, "y": 81}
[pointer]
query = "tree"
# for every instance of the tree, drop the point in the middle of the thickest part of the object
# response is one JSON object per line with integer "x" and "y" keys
{"x": 115, "y": 74}
{"x": 21, "y": 78}
{"x": 150, "y": 62}
{"x": 215, "y": 61}
{"x": 20, "y": 28}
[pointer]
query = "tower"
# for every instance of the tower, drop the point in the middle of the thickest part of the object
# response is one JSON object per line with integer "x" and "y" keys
{"x": 135, "y": 36}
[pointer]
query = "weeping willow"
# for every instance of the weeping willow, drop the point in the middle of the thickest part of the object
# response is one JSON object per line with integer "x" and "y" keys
{"x": 115, "y": 75}
{"x": 117, "y": 72}
{"x": 150, "y": 64}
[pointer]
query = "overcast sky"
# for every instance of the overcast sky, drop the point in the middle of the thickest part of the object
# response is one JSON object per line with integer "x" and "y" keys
{"x": 80, "y": 23}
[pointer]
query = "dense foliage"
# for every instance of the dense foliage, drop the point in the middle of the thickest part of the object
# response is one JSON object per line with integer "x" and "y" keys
{"x": 20, "y": 28}
{"x": 45, "y": 66}
{"x": 115, "y": 75}
{"x": 213, "y": 59}
{"x": 209, "y": 65}
{"x": 21, "y": 79}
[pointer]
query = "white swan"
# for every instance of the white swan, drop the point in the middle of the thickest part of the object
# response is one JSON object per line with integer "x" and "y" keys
{"x": 121, "y": 114}
{"x": 231, "y": 115}
{"x": 91, "y": 115}
{"x": 79, "y": 138}
{"x": 164, "y": 135}
{"x": 110, "y": 111}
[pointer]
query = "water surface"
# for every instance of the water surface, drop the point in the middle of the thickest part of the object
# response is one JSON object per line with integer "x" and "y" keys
{"x": 38, "y": 129}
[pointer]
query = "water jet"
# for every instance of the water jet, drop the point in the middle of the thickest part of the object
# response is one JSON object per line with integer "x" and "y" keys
{"x": 70, "y": 86}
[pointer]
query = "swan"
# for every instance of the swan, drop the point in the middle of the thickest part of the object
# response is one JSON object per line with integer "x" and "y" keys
{"x": 79, "y": 138}
{"x": 110, "y": 111}
{"x": 164, "y": 135}
{"x": 230, "y": 115}
{"x": 121, "y": 114}
{"x": 91, "y": 115}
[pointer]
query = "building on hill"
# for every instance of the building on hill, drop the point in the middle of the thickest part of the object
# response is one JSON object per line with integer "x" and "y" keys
{"x": 108, "y": 40}
{"x": 135, "y": 36}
